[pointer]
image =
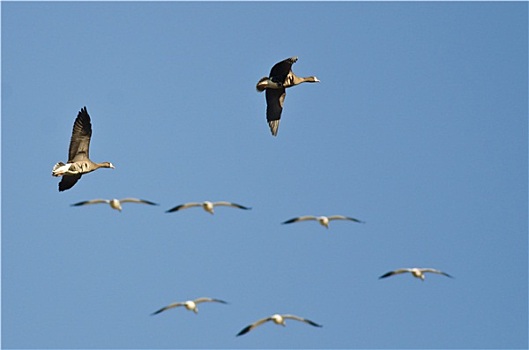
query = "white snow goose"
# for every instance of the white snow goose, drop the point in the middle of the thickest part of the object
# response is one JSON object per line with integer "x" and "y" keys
{"x": 207, "y": 206}
{"x": 190, "y": 304}
{"x": 277, "y": 319}
{"x": 415, "y": 272}
{"x": 114, "y": 203}
{"x": 323, "y": 220}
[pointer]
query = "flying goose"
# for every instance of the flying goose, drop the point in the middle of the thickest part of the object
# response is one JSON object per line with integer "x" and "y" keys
{"x": 114, "y": 203}
{"x": 281, "y": 77}
{"x": 207, "y": 206}
{"x": 415, "y": 272}
{"x": 78, "y": 159}
{"x": 277, "y": 319}
{"x": 323, "y": 220}
{"x": 190, "y": 304}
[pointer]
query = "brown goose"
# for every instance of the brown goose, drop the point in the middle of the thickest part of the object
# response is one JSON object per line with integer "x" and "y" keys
{"x": 415, "y": 272}
{"x": 281, "y": 77}
{"x": 277, "y": 319}
{"x": 78, "y": 158}
{"x": 190, "y": 304}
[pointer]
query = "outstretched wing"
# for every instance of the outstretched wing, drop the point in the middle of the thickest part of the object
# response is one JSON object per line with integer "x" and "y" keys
{"x": 92, "y": 201}
{"x": 230, "y": 204}
{"x": 170, "y": 306}
{"x": 300, "y": 218}
{"x": 137, "y": 200}
{"x": 253, "y": 325}
{"x": 183, "y": 206}
{"x": 68, "y": 181}
{"x": 281, "y": 69}
{"x": 274, "y": 107}
{"x": 205, "y": 299}
{"x": 341, "y": 217}
{"x": 80, "y": 140}
{"x": 395, "y": 272}
{"x": 436, "y": 271}
{"x": 297, "y": 318}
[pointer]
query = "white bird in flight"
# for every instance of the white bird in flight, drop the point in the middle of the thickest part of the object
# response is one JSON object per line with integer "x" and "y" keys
{"x": 323, "y": 220}
{"x": 277, "y": 319}
{"x": 415, "y": 272}
{"x": 114, "y": 203}
{"x": 190, "y": 304}
{"x": 207, "y": 206}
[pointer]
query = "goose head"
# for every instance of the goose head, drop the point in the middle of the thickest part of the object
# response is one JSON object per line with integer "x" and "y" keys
{"x": 208, "y": 206}
{"x": 115, "y": 204}
{"x": 417, "y": 273}
{"x": 278, "y": 319}
{"x": 292, "y": 80}
{"x": 105, "y": 165}
{"x": 323, "y": 220}
{"x": 190, "y": 305}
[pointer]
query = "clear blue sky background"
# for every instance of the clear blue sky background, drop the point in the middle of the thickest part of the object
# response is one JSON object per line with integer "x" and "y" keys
{"x": 418, "y": 127}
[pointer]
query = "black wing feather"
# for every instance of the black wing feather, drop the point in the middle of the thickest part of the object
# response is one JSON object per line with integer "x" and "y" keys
{"x": 244, "y": 330}
{"x": 175, "y": 208}
{"x": 281, "y": 69}
{"x": 68, "y": 181}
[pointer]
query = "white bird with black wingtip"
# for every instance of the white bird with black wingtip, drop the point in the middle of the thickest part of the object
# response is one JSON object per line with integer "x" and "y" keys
{"x": 114, "y": 203}
{"x": 277, "y": 319}
{"x": 207, "y": 206}
{"x": 415, "y": 272}
{"x": 190, "y": 304}
{"x": 323, "y": 220}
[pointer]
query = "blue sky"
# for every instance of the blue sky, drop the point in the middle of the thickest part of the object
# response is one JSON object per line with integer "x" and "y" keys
{"x": 418, "y": 127}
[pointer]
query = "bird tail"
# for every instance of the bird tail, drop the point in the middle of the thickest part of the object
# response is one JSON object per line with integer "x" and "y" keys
{"x": 55, "y": 167}
{"x": 274, "y": 125}
{"x": 261, "y": 84}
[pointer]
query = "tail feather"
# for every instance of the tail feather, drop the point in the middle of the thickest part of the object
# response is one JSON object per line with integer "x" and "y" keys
{"x": 55, "y": 167}
{"x": 58, "y": 165}
{"x": 261, "y": 84}
{"x": 274, "y": 125}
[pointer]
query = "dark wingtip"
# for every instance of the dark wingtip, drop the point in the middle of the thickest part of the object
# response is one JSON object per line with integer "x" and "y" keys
{"x": 312, "y": 323}
{"x": 288, "y": 221}
{"x": 241, "y": 206}
{"x": 244, "y": 331}
{"x": 356, "y": 220}
{"x": 84, "y": 111}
